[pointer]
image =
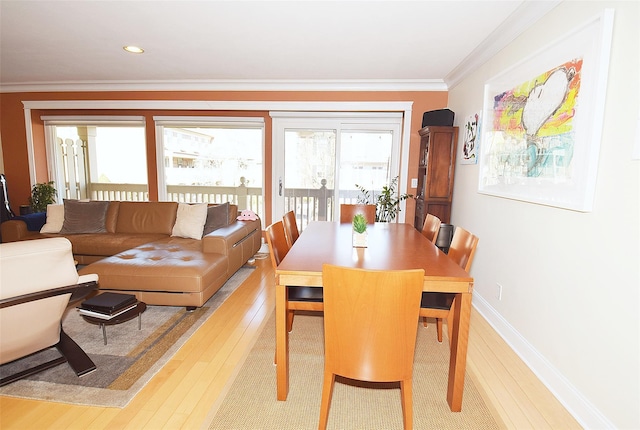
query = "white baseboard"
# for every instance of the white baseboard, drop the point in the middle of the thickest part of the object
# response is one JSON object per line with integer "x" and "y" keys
{"x": 578, "y": 406}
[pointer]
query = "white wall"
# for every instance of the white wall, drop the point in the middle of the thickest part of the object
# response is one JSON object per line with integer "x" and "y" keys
{"x": 570, "y": 304}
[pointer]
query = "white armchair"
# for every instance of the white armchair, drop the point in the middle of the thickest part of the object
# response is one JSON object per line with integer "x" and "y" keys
{"x": 38, "y": 280}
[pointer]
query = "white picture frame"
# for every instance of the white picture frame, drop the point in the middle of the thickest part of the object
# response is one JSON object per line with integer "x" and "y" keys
{"x": 542, "y": 121}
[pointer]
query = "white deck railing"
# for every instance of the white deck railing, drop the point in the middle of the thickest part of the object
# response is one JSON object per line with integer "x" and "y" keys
{"x": 244, "y": 197}
{"x": 307, "y": 203}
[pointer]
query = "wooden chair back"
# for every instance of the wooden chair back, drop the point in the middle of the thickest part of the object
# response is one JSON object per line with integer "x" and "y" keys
{"x": 298, "y": 298}
{"x": 370, "y": 328}
{"x": 277, "y": 241}
{"x": 440, "y": 305}
{"x": 431, "y": 227}
{"x": 348, "y": 211}
{"x": 290, "y": 227}
{"x": 463, "y": 248}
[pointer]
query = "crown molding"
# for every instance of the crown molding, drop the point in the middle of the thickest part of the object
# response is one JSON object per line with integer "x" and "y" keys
{"x": 517, "y": 23}
{"x": 375, "y": 106}
{"x": 371, "y": 85}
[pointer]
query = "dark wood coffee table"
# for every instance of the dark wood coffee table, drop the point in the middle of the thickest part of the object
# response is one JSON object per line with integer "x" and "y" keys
{"x": 123, "y": 317}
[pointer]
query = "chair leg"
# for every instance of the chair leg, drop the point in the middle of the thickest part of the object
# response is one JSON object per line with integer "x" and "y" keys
{"x": 406, "y": 395}
{"x": 327, "y": 392}
{"x": 290, "y": 315}
{"x": 76, "y": 357}
{"x": 71, "y": 352}
{"x": 439, "y": 328}
{"x": 424, "y": 321}
{"x": 32, "y": 371}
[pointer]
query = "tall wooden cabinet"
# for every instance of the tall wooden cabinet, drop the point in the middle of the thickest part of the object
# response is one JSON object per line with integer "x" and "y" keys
{"x": 436, "y": 168}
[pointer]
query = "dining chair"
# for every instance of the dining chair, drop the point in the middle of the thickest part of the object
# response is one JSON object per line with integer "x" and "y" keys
{"x": 348, "y": 211}
{"x": 290, "y": 227}
{"x": 444, "y": 237}
{"x": 431, "y": 227}
{"x": 298, "y": 298}
{"x": 370, "y": 330}
{"x": 440, "y": 305}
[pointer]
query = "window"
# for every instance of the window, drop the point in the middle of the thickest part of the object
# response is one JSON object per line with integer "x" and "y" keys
{"x": 100, "y": 158}
{"x": 211, "y": 160}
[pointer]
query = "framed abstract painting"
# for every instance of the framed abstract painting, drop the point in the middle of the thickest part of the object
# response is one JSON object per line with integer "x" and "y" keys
{"x": 542, "y": 121}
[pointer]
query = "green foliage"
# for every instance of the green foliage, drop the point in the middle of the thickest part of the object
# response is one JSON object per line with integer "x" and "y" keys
{"x": 41, "y": 196}
{"x": 387, "y": 202}
{"x": 359, "y": 223}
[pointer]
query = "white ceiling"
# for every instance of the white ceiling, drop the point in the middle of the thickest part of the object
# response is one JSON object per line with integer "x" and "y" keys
{"x": 208, "y": 44}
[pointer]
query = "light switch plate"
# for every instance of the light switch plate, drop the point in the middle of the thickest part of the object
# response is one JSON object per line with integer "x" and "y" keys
{"x": 414, "y": 182}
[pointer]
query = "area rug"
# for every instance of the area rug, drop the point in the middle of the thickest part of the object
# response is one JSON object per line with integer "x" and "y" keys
{"x": 251, "y": 401}
{"x": 128, "y": 361}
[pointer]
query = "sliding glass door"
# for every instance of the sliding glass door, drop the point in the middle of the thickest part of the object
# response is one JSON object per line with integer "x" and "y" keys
{"x": 319, "y": 160}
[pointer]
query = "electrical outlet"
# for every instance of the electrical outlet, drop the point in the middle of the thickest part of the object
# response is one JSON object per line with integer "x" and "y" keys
{"x": 499, "y": 291}
{"x": 414, "y": 182}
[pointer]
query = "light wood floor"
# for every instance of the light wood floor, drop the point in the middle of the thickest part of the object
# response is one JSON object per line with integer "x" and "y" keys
{"x": 185, "y": 393}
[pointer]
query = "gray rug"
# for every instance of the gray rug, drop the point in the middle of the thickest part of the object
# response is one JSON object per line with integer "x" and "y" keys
{"x": 251, "y": 401}
{"x": 128, "y": 361}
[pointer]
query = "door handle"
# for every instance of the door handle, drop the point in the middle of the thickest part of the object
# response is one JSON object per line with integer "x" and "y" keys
{"x": 280, "y": 186}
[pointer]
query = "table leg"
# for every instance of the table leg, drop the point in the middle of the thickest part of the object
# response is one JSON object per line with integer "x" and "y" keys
{"x": 282, "y": 343}
{"x": 458, "y": 358}
{"x": 104, "y": 333}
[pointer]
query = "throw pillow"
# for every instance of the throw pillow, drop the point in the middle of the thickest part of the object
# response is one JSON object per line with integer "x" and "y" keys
{"x": 190, "y": 220}
{"x": 84, "y": 217}
{"x": 34, "y": 221}
{"x": 217, "y": 216}
{"x": 55, "y": 219}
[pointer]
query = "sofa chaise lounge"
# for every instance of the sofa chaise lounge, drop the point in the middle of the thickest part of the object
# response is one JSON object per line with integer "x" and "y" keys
{"x": 137, "y": 250}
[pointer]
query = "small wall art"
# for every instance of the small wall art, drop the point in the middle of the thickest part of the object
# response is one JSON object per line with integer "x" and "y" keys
{"x": 470, "y": 139}
{"x": 542, "y": 121}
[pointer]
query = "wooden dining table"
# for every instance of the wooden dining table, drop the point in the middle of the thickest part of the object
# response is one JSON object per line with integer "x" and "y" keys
{"x": 391, "y": 246}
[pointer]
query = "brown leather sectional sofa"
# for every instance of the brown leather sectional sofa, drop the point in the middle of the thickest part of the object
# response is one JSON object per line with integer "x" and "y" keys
{"x": 138, "y": 255}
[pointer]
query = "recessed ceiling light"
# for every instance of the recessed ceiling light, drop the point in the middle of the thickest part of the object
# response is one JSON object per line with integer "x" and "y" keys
{"x": 133, "y": 49}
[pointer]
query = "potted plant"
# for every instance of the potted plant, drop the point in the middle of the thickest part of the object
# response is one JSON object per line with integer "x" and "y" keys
{"x": 359, "y": 231}
{"x": 42, "y": 195}
{"x": 387, "y": 202}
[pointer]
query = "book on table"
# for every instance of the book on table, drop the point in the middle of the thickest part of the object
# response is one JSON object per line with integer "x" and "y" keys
{"x": 108, "y": 305}
{"x": 95, "y": 314}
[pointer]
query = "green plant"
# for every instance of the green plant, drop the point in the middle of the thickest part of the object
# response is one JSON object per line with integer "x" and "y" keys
{"x": 387, "y": 202}
{"x": 42, "y": 195}
{"x": 359, "y": 223}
